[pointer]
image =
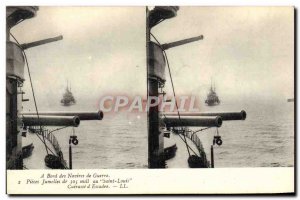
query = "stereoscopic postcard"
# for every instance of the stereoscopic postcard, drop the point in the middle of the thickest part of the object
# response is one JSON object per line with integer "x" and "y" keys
{"x": 150, "y": 100}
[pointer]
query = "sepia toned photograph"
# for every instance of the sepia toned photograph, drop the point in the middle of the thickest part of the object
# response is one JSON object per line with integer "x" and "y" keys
{"x": 148, "y": 87}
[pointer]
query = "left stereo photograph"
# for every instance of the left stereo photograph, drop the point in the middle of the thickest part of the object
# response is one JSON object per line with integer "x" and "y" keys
{"x": 64, "y": 67}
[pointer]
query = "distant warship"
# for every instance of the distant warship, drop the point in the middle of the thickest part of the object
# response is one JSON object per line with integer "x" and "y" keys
{"x": 212, "y": 97}
{"x": 68, "y": 98}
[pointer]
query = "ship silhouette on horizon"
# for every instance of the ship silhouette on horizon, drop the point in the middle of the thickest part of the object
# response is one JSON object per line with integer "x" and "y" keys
{"x": 212, "y": 97}
{"x": 68, "y": 98}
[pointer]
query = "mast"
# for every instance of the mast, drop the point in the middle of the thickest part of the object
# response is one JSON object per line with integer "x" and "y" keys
{"x": 214, "y": 86}
{"x": 15, "y": 63}
{"x": 156, "y": 63}
{"x": 14, "y": 80}
{"x": 155, "y": 76}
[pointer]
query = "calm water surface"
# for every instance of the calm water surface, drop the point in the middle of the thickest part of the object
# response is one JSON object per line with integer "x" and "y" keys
{"x": 264, "y": 139}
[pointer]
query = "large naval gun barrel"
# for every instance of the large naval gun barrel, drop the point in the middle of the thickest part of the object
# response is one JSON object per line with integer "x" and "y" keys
{"x": 181, "y": 42}
{"x": 224, "y": 115}
{"x": 201, "y": 121}
{"x": 83, "y": 115}
{"x": 40, "y": 42}
{"x": 46, "y": 120}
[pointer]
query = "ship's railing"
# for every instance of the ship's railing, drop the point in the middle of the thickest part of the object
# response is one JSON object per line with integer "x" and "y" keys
{"x": 191, "y": 135}
{"x": 195, "y": 139}
{"x": 52, "y": 139}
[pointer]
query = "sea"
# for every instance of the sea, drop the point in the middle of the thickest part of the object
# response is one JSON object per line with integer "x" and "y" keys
{"x": 119, "y": 141}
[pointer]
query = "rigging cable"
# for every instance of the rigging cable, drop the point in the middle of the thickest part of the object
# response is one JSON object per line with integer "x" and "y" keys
{"x": 26, "y": 61}
{"x": 194, "y": 132}
{"x": 185, "y": 141}
{"x": 57, "y": 129}
{"x": 147, "y": 56}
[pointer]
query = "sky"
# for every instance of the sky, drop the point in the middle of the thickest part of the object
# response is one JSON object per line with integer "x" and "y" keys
{"x": 248, "y": 52}
{"x": 102, "y": 52}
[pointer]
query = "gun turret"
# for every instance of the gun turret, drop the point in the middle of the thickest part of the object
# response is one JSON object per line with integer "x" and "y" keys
{"x": 40, "y": 42}
{"x": 33, "y": 120}
{"x": 209, "y": 121}
{"x": 83, "y": 115}
{"x": 226, "y": 116}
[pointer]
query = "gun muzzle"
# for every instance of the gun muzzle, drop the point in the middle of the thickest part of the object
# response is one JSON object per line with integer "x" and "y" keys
{"x": 33, "y": 120}
{"x": 224, "y": 115}
{"x": 83, "y": 115}
{"x": 201, "y": 121}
